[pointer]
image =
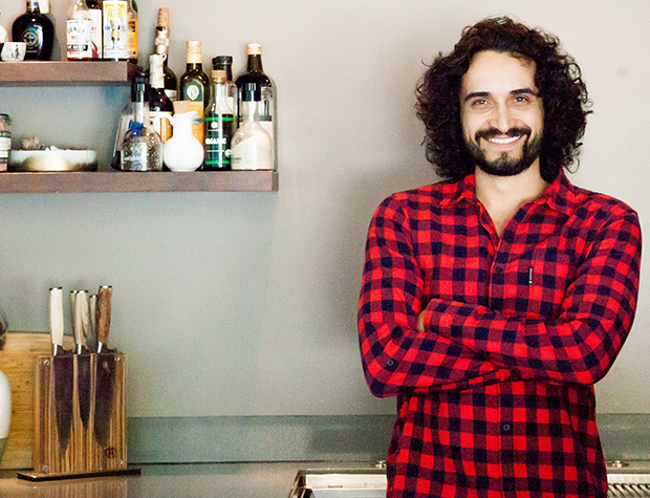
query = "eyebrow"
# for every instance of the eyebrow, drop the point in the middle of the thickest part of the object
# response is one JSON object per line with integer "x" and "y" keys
{"x": 518, "y": 91}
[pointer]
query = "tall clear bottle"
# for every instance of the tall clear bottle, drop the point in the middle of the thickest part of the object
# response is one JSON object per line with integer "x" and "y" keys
{"x": 252, "y": 145}
{"x": 255, "y": 76}
{"x": 36, "y": 30}
{"x": 79, "y": 32}
{"x": 219, "y": 125}
{"x": 224, "y": 63}
{"x": 161, "y": 46}
{"x": 194, "y": 83}
{"x": 141, "y": 147}
{"x": 95, "y": 10}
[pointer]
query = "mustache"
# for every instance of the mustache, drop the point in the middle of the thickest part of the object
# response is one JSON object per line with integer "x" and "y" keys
{"x": 494, "y": 132}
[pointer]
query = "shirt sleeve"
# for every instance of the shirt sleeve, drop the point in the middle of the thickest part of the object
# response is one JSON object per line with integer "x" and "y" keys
{"x": 581, "y": 344}
{"x": 395, "y": 355}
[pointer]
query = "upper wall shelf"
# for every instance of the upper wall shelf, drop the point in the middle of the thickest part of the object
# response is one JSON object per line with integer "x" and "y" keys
{"x": 150, "y": 181}
{"x": 76, "y": 73}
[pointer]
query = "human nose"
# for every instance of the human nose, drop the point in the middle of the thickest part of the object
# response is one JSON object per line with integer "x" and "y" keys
{"x": 502, "y": 118}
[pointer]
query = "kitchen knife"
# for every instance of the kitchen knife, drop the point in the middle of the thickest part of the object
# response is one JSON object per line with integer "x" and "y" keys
{"x": 80, "y": 328}
{"x": 105, "y": 370}
{"x": 62, "y": 364}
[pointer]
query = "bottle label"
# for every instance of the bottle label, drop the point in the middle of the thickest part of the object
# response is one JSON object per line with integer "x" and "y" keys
{"x": 96, "y": 32}
{"x": 78, "y": 36}
{"x": 5, "y": 141}
{"x": 132, "y": 38}
{"x": 33, "y": 38}
{"x": 171, "y": 94}
{"x": 218, "y": 138}
{"x": 115, "y": 30}
{"x": 193, "y": 92}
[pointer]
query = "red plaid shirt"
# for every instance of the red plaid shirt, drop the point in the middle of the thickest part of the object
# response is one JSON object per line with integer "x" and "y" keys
{"x": 495, "y": 398}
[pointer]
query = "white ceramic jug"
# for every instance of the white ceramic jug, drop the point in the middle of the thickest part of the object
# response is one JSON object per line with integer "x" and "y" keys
{"x": 182, "y": 152}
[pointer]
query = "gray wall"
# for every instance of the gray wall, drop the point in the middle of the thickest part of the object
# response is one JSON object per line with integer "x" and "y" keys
{"x": 233, "y": 304}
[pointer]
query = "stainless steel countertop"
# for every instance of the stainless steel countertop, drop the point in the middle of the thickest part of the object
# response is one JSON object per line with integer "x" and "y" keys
{"x": 222, "y": 480}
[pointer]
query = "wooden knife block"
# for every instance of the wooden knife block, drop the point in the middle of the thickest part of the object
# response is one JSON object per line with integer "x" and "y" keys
{"x": 83, "y": 454}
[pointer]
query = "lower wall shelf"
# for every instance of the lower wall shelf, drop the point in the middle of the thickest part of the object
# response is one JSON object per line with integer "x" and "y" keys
{"x": 116, "y": 181}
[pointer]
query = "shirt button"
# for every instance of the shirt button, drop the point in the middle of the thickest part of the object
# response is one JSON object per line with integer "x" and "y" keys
{"x": 390, "y": 363}
{"x": 506, "y": 427}
{"x": 498, "y": 269}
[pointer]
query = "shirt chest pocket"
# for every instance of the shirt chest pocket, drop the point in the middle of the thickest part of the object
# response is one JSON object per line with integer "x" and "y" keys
{"x": 535, "y": 284}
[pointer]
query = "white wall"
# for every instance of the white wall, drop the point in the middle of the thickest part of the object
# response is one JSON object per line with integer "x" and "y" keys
{"x": 244, "y": 304}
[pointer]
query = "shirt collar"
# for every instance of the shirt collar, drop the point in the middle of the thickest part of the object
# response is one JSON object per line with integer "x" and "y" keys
{"x": 559, "y": 196}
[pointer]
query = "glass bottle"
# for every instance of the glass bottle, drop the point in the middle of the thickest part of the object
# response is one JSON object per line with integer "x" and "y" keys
{"x": 79, "y": 31}
{"x": 252, "y": 146}
{"x": 115, "y": 27}
{"x": 255, "y": 75}
{"x": 159, "y": 102}
{"x": 194, "y": 84}
{"x": 95, "y": 11}
{"x": 224, "y": 63}
{"x": 141, "y": 147}
{"x": 219, "y": 125}
{"x": 132, "y": 32}
{"x": 36, "y": 30}
{"x": 161, "y": 46}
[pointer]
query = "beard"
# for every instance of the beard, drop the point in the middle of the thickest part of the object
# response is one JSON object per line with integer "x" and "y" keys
{"x": 505, "y": 165}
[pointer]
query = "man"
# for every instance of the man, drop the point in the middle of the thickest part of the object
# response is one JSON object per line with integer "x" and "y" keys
{"x": 492, "y": 302}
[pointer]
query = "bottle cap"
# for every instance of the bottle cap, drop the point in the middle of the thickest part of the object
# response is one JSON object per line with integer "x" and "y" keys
{"x": 193, "y": 52}
{"x": 219, "y": 76}
{"x": 221, "y": 60}
{"x": 163, "y": 17}
{"x": 140, "y": 88}
{"x": 254, "y": 49}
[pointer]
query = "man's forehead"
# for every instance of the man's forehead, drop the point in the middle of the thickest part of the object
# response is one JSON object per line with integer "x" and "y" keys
{"x": 498, "y": 71}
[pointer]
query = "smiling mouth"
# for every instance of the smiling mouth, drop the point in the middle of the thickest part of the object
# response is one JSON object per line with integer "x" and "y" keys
{"x": 497, "y": 137}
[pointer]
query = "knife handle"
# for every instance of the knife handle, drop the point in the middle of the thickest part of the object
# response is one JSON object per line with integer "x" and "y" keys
{"x": 81, "y": 304}
{"x": 56, "y": 317}
{"x": 75, "y": 317}
{"x": 92, "y": 320}
{"x": 104, "y": 296}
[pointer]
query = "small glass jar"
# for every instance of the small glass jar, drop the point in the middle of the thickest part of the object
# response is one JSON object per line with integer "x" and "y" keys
{"x": 5, "y": 141}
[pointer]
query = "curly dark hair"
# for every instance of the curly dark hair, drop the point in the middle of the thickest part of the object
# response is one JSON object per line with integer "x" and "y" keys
{"x": 557, "y": 77}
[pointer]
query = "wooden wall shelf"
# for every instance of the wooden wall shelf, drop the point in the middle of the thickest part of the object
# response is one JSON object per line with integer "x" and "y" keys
{"x": 63, "y": 73}
{"x": 116, "y": 181}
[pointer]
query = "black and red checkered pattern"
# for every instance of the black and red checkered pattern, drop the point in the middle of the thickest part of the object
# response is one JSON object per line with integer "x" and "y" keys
{"x": 495, "y": 398}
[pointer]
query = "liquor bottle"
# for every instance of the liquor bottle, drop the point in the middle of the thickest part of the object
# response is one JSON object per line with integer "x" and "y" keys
{"x": 219, "y": 125}
{"x": 132, "y": 32}
{"x": 115, "y": 26}
{"x": 141, "y": 147}
{"x": 159, "y": 103}
{"x": 252, "y": 145}
{"x": 224, "y": 63}
{"x": 161, "y": 46}
{"x": 36, "y": 30}
{"x": 95, "y": 10}
{"x": 79, "y": 30}
{"x": 194, "y": 84}
{"x": 255, "y": 76}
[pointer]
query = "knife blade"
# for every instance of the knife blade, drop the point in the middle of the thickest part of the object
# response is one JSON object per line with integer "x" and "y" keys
{"x": 80, "y": 328}
{"x": 62, "y": 364}
{"x": 105, "y": 369}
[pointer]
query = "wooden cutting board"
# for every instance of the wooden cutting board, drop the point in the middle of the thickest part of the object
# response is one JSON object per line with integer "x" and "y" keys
{"x": 18, "y": 362}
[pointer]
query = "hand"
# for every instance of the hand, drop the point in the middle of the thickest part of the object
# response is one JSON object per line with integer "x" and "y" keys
{"x": 421, "y": 321}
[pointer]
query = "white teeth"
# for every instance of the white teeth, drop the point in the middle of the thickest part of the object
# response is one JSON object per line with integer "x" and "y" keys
{"x": 501, "y": 141}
